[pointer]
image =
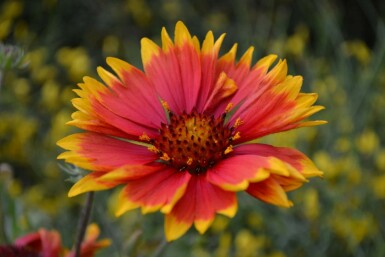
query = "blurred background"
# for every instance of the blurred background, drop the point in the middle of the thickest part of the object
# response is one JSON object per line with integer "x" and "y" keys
{"x": 337, "y": 46}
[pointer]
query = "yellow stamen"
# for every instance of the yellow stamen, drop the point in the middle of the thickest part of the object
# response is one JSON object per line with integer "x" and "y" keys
{"x": 144, "y": 137}
{"x": 153, "y": 149}
{"x": 229, "y": 149}
{"x": 236, "y": 136}
{"x": 189, "y": 161}
{"x": 165, "y": 105}
{"x": 165, "y": 157}
{"x": 229, "y": 107}
{"x": 238, "y": 122}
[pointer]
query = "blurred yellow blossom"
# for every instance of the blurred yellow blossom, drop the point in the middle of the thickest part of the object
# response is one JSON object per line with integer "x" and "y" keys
{"x": 355, "y": 229}
{"x": 325, "y": 163}
{"x": 75, "y": 60}
{"x": 45, "y": 73}
{"x": 296, "y": 43}
{"x": 21, "y": 87}
{"x": 220, "y": 223}
{"x": 17, "y": 131}
{"x": 343, "y": 144}
{"x": 255, "y": 220}
{"x": 378, "y": 186}
{"x": 380, "y": 160}
{"x": 367, "y": 142}
{"x": 311, "y": 206}
{"x": 21, "y": 32}
{"x": 200, "y": 252}
{"x": 276, "y": 254}
{"x": 5, "y": 26}
{"x": 50, "y": 94}
{"x": 354, "y": 176}
{"x": 110, "y": 45}
{"x": 66, "y": 95}
{"x": 11, "y": 9}
{"x": 57, "y": 129}
{"x": 217, "y": 21}
{"x": 171, "y": 9}
{"x": 139, "y": 10}
{"x": 14, "y": 188}
{"x": 51, "y": 170}
{"x": 224, "y": 245}
{"x": 247, "y": 244}
{"x": 358, "y": 49}
{"x": 36, "y": 57}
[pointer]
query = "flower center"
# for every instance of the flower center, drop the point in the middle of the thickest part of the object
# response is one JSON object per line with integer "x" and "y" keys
{"x": 194, "y": 142}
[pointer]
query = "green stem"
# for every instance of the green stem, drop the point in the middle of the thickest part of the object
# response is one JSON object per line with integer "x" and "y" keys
{"x": 83, "y": 222}
{"x": 3, "y": 235}
{"x": 1, "y": 78}
{"x": 160, "y": 248}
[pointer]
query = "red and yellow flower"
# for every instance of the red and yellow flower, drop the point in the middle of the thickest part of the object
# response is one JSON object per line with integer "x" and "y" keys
{"x": 46, "y": 243}
{"x": 179, "y": 135}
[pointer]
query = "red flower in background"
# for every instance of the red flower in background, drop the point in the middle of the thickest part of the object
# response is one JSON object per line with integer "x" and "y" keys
{"x": 180, "y": 135}
{"x": 46, "y": 243}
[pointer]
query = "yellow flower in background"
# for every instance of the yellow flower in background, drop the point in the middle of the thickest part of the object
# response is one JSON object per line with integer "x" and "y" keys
{"x": 359, "y": 50}
{"x": 367, "y": 142}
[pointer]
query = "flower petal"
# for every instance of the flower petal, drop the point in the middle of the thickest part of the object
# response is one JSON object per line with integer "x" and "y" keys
{"x": 294, "y": 158}
{"x": 98, "y": 102}
{"x": 135, "y": 86}
{"x": 198, "y": 206}
{"x": 89, "y": 245}
{"x": 46, "y": 243}
{"x": 158, "y": 191}
{"x": 223, "y": 89}
{"x": 236, "y": 172}
{"x": 174, "y": 71}
{"x": 97, "y": 181}
{"x": 269, "y": 191}
{"x": 248, "y": 81}
{"x": 288, "y": 169}
{"x": 211, "y": 81}
{"x": 98, "y": 152}
{"x": 278, "y": 107}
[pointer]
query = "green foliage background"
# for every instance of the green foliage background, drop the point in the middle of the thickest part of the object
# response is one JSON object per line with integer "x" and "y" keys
{"x": 338, "y": 47}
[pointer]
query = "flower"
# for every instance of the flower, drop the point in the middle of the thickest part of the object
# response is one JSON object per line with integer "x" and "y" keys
{"x": 46, "y": 243}
{"x": 180, "y": 135}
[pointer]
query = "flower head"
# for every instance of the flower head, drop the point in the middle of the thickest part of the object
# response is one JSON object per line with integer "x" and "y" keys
{"x": 46, "y": 243}
{"x": 178, "y": 134}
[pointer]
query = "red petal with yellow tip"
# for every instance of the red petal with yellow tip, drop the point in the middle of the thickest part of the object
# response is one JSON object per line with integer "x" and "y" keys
{"x": 158, "y": 191}
{"x": 236, "y": 172}
{"x": 99, "y": 152}
{"x": 293, "y": 157}
{"x": 97, "y": 181}
{"x": 269, "y": 191}
{"x": 198, "y": 205}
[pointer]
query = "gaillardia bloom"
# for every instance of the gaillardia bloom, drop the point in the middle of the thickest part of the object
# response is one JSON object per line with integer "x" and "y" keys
{"x": 179, "y": 136}
{"x": 45, "y": 243}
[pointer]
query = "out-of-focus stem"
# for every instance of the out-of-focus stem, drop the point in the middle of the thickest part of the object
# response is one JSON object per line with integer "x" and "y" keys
{"x": 83, "y": 222}
{"x": 160, "y": 248}
{"x": 1, "y": 78}
{"x": 3, "y": 235}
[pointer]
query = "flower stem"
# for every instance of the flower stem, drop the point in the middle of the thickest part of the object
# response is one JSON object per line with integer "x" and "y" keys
{"x": 3, "y": 235}
{"x": 83, "y": 222}
{"x": 1, "y": 77}
{"x": 160, "y": 248}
